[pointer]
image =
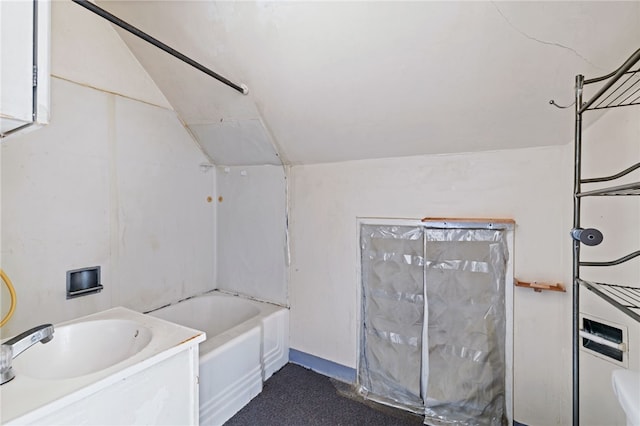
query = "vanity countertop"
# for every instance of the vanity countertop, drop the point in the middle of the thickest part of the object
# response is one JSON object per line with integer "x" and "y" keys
{"x": 25, "y": 398}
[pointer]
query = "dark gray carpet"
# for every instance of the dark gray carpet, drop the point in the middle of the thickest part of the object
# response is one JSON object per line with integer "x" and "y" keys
{"x": 295, "y": 396}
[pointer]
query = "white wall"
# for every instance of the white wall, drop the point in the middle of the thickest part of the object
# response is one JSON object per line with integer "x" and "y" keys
{"x": 87, "y": 50}
{"x": 251, "y": 232}
{"x": 111, "y": 181}
{"x": 532, "y": 186}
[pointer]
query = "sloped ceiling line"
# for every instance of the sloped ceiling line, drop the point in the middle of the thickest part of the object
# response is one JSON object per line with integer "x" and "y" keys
{"x": 228, "y": 129}
{"x": 243, "y": 89}
{"x": 477, "y": 76}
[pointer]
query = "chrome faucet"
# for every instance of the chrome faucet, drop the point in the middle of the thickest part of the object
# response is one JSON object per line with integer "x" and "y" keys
{"x": 15, "y": 346}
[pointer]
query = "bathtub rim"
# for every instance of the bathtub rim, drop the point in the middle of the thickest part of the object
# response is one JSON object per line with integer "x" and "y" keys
{"x": 214, "y": 344}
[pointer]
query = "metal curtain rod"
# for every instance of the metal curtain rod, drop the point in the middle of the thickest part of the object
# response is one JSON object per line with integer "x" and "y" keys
{"x": 146, "y": 37}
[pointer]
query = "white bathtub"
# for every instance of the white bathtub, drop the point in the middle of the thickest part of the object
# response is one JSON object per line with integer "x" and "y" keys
{"x": 247, "y": 341}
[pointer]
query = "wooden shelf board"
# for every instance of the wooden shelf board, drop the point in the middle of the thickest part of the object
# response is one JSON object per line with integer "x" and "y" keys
{"x": 538, "y": 287}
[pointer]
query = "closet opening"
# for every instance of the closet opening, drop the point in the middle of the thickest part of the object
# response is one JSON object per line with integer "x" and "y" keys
{"x": 436, "y": 318}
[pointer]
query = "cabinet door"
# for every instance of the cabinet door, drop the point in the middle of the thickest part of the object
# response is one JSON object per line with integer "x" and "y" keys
{"x": 16, "y": 69}
{"x": 24, "y": 64}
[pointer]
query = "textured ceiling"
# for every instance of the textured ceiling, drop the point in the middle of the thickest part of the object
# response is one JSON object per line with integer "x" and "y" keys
{"x": 335, "y": 81}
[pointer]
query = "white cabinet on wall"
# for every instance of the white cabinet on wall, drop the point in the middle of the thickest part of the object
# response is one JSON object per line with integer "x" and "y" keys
{"x": 24, "y": 65}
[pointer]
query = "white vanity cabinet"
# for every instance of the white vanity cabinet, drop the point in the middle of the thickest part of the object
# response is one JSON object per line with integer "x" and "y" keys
{"x": 24, "y": 65}
{"x": 155, "y": 384}
{"x": 163, "y": 394}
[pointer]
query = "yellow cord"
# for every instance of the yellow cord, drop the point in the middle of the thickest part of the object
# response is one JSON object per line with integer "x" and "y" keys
{"x": 12, "y": 292}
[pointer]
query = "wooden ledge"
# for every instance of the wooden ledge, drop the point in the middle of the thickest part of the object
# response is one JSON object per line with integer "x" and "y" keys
{"x": 538, "y": 287}
{"x": 468, "y": 219}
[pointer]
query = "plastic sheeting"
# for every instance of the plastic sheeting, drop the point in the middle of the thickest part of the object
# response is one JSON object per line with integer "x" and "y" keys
{"x": 393, "y": 315}
{"x": 451, "y": 368}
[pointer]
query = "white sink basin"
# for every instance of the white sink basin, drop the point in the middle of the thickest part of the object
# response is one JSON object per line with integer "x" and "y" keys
{"x": 83, "y": 348}
{"x": 626, "y": 386}
{"x": 89, "y": 355}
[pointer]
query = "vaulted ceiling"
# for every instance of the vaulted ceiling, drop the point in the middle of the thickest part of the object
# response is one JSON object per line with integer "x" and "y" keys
{"x": 334, "y": 81}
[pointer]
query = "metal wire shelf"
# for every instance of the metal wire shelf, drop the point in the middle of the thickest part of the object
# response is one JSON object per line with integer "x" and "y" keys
{"x": 628, "y": 189}
{"x": 621, "y": 89}
{"x": 625, "y": 298}
{"x": 625, "y": 92}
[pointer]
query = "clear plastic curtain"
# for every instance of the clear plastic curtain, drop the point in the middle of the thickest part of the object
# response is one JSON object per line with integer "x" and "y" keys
{"x": 450, "y": 367}
{"x": 393, "y": 315}
{"x": 465, "y": 278}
